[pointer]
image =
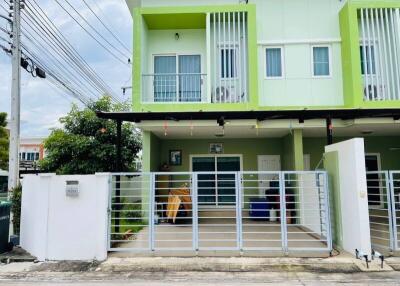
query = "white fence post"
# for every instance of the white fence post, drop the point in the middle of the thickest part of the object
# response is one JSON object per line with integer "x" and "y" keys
{"x": 284, "y": 230}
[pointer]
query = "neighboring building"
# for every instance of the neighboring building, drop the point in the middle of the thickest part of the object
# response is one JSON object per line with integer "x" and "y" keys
{"x": 31, "y": 151}
{"x": 224, "y": 86}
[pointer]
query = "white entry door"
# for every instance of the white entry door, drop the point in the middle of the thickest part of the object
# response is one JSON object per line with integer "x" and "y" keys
{"x": 267, "y": 163}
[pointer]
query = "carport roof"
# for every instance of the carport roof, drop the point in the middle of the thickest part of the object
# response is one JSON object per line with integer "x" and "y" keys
{"x": 258, "y": 115}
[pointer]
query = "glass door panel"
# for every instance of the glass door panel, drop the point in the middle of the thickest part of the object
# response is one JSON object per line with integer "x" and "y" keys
{"x": 165, "y": 78}
{"x": 206, "y": 182}
{"x": 226, "y": 182}
{"x": 190, "y": 78}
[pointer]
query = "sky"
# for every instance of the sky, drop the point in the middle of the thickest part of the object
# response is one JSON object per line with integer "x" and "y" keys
{"x": 41, "y": 103}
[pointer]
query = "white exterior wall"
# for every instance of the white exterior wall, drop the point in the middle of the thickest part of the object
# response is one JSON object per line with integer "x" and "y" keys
{"x": 353, "y": 195}
{"x": 296, "y": 26}
{"x": 57, "y": 227}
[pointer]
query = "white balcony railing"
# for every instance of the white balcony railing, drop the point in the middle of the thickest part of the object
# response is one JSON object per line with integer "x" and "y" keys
{"x": 188, "y": 87}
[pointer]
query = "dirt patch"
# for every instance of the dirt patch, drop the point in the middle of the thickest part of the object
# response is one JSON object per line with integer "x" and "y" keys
{"x": 66, "y": 266}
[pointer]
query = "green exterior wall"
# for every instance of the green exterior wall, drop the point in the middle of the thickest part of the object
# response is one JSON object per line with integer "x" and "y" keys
{"x": 153, "y": 16}
{"x": 390, "y": 159}
{"x": 293, "y": 159}
{"x": 248, "y": 148}
{"x": 151, "y": 152}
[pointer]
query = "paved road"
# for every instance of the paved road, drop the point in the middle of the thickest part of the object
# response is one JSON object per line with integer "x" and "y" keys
{"x": 206, "y": 278}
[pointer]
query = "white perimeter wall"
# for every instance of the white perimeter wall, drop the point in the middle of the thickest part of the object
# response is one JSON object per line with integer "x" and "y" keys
{"x": 57, "y": 227}
{"x": 353, "y": 195}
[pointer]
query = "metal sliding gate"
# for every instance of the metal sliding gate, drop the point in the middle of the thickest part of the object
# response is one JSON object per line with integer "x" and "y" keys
{"x": 219, "y": 211}
{"x": 384, "y": 209}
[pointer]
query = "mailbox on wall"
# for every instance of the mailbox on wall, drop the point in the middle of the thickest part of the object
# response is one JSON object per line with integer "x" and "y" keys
{"x": 72, "y": 188}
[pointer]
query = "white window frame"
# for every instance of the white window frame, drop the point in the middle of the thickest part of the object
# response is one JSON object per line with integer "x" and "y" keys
{"x": 176, "y": 55}
{"x": 329, "y": 60}
{"x": 375, "y": 44}
{"x": 228, "y": 46}
{"x": 282, "y": 48}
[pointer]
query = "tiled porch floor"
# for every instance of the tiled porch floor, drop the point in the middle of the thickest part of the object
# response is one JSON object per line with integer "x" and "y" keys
{"x": 260, "y": 235}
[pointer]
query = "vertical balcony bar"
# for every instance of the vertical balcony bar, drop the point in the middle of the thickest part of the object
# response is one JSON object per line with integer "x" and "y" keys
{"x": 215, "y": 62}
{"x": 378, "y": 75}
{"x": 235, "y": 55}
{"x": 364, "y": 50}
{"x": 370, "y": 57}
{"x": 220, "y": 59}
{"x": 381, "y": 55}
{"x": 224, "y": 73}
{"x": 245, "y": 54}
{"x": 239, "y": 60}
{"x": 391, "y": 79}
{"x": 206, "y": 83}
{"x": 230, "y": 75}
{"x": 385, "y": 58}
{"x": 395, "y": 46}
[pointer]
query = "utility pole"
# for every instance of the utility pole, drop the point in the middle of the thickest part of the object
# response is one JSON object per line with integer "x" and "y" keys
{"x": 13, "y": 174}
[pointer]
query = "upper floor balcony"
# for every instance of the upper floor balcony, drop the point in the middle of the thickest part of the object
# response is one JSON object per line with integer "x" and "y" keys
{"x": 371, "y": 53}
{"x": 194, "y": 58}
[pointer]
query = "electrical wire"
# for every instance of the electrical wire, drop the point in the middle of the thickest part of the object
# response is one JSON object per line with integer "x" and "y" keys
{"x": 65, "y": 68}
{"x": 105, "y": 26}
{"x": 57, "y": 36}
{"x": 90, "y": 34}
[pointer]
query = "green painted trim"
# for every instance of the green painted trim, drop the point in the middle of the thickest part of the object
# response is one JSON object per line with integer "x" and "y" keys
{"x": 137, "y": 59}
{"x": 298, "y": 154}
{"x": 175, "y": 21}
{"x": 151, "y": 152}
{"x": 374, "y": 3}
{"x": 195, "y": 9}
{"x": 139, "y": 19}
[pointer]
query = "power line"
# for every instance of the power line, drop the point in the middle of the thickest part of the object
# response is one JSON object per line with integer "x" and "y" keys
{"x": 57, "y": 36}
{"x": 52, "y": 52}
{"x": 102, "y": 23}
{"x": 90, "y": 34}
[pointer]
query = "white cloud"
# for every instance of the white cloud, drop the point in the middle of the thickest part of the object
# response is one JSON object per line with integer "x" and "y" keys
{"x": 42, "y": 104}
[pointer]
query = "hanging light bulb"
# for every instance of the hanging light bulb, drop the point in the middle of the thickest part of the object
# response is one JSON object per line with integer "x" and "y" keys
{"x": 191, "y": 127}
{"x": 165, "y": 128}
{"x": 257, "y": 128}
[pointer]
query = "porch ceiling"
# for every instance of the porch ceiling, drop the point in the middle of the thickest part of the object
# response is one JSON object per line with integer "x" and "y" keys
{"x": 209, "y": 129}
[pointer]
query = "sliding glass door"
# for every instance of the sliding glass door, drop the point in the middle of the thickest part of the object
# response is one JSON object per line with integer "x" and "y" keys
{"x": 216, "y": 189}
{"x": 177, "y": 78}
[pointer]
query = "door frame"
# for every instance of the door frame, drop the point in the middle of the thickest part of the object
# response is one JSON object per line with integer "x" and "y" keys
{"x": 177, "y": 72}
{"x": 260, "y": 190}
{"x": 240, "y": 156}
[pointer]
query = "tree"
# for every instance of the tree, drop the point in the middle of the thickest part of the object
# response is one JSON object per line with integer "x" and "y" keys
{"x": 4, "y": 141}
{"x": 87, "y": 144}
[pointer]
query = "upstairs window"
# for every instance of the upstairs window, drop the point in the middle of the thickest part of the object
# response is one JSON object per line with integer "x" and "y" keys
{"x": 321, "y": 61}
{"x": 274, "y": 61}
{"x": 367, "y": 60}
{"x": 228, "y": 63}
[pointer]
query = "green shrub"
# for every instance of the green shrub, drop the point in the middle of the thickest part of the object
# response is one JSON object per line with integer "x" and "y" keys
{"x": 16, "y": 196}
